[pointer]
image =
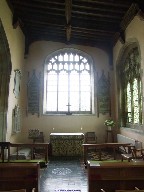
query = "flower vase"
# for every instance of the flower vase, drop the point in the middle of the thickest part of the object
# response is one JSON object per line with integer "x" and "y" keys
{"x": 109, "y": 128}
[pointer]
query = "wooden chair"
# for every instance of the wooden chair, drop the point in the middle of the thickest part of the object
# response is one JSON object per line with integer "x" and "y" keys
{"x": 128, "y": 156}
{"x": 38, "y": 151}
{"x": 4, "y": 146}
{"x": 137, "y": 155}
{"x": 90, "y": 137}
{"x": 39, "y": 139}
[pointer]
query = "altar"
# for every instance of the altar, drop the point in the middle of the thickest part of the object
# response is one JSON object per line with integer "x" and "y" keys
{"x": 67, "y": 144}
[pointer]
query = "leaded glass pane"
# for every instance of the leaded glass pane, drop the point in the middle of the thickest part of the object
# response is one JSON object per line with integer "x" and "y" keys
{"x": 76, "y": 58}
{"x": 55, "y": 66}
{"x": 52, "y": 60}
{"x": 60, "y": 66}
{"x": 132, "y": 104}
{"x": 85, "y": 101}
{"x": 87, "y": 67}
{"x": 71, "y": 66}
{"x": 74, "y": 81}
{"x": 66, "y": 66}
{"x": 65, "y": 57}
{"x": 74, "y": 101}
{"x": 52, "y": 96}
{"x": 63, "y": 82}
{"x": 77, "y": 66}
{"x": 49, "y": 66}
{"x": 129, "y": 106}
{"x": 84, "y": 60}
{"x": 60, "y": 58}
{"x": 136, "y": 103}
{"x": 82, "y": 66}
{"x": 62, "y": 101}
{"x": 71, "y": 57}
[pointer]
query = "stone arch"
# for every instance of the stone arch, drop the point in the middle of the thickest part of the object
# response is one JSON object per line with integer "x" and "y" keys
{"x": 5, "y": 71}
{"x": 125, "y": 50}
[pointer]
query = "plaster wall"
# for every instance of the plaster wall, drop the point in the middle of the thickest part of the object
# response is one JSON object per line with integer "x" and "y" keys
{"x": 133, "y": 34}
{"x": 63, "y": 123}
{"x": 15, "y": 40}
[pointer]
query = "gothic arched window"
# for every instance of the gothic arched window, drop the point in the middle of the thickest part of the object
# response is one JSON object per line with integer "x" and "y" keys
{"x": 131, "y": 97}
{"x": 68, "y": 82}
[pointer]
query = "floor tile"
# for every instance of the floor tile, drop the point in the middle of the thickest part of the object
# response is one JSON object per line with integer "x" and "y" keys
{"x": 64, "y": 174}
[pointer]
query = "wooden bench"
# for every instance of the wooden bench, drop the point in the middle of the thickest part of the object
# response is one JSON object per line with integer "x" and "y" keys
{"x": 22, "y": 150}
{"x": 14, "y": 176}
{"x": 31, "y": 146}
{"x": 23, "y": 153}
{"x": 100, "y": 146}
{"x": 115, "y": 175}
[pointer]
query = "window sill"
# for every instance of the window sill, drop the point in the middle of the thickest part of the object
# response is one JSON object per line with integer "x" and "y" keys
{"x": 136, "y": 130}
{"x": 66, "y": 115}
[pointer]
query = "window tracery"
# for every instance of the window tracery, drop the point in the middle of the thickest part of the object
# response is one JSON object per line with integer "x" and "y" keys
{"x": 67, "y": 82}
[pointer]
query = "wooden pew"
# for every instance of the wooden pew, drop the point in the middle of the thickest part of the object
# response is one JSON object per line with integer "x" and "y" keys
{"x": 8, "y": 146}
{"x": 14, "y": 176}
{"x": 32, "y": 146}
{"x": 115, "y": 175}
{"x": 100, "y": 146}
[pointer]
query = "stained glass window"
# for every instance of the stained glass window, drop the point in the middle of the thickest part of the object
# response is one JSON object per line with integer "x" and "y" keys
{"x": 131, "y": 89}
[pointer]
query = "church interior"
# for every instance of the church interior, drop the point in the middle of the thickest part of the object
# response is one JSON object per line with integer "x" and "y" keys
{"x": 71, "y": 85}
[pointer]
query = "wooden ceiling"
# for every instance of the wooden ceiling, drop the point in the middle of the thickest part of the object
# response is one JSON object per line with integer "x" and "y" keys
{"x": 96, "y": 23}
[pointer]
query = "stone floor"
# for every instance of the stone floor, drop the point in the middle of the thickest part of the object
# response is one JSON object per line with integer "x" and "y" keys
{"x": 64, "y": 174}
{"x": 68, "y": 173}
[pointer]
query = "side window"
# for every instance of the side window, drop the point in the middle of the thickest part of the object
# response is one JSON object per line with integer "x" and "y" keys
{"x": 131, "y": 98}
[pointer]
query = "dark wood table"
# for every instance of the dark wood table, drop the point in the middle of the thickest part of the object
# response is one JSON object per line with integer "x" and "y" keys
{"x": 100, "y": 146}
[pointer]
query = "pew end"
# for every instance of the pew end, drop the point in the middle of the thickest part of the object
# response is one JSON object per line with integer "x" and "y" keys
{"x": 16, "y": 176}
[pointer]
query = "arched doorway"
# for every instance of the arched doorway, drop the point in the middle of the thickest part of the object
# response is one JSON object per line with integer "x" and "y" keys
{"x": 5, "y": 71}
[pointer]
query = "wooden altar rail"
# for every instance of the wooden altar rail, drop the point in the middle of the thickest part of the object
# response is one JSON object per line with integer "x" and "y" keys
{"x": 100, "y": 146}
{"x": 112, "y": 176}
{"x": 15, "y": 176}
{"x": 32, "y": 146}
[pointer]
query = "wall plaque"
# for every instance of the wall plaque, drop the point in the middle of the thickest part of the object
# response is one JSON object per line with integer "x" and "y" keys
{"x": 103, "y": 95}
{"x": 17, "y": 79}
{"x": 16, "y": 119}
{"x": 33, "y": 91}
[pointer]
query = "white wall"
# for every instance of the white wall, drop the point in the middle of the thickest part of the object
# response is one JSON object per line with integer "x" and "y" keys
{"x": 38, "y": 51}
{"x": 37, "y": 54}
{"x": 134, "y": 33}
{"x": 16, "y": 41}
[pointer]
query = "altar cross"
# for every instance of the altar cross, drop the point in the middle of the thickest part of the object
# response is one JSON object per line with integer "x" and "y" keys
{"x": 68, "y": 105}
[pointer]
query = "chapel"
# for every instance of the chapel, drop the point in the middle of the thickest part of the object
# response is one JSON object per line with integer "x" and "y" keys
{"x": 71, "y": 73}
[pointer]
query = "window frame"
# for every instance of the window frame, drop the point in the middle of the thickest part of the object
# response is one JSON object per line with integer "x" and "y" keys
{"x": 130, "y": 72}
{"x": 90, "y": 62}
